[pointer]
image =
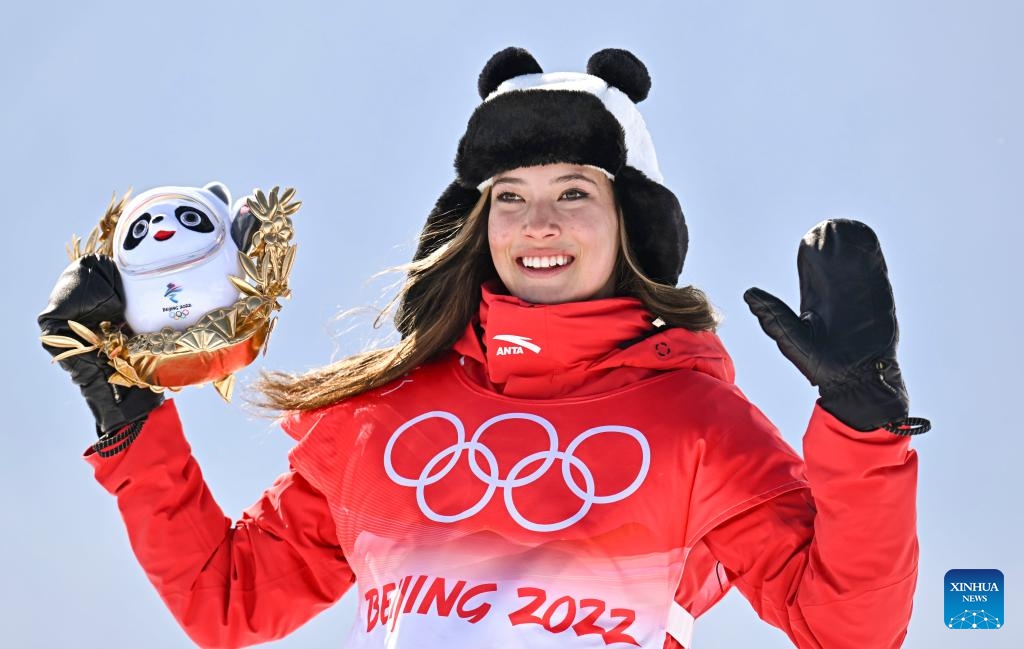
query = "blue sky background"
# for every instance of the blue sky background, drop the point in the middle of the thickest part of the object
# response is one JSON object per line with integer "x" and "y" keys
{"x": 767, "y": 118}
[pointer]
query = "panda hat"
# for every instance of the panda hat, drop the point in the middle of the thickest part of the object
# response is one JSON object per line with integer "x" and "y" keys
{"x": 529, "y": 117}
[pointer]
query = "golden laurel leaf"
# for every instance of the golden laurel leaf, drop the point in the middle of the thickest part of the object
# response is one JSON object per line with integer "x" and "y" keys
{"x": 265, "y": 269}
{"x": 118, "y": 379}
{"x": 256, "y": 210}
{"x": 248, "y": 266}
{"x": 225, "y": 387}
{"x": 124, "y": 367}
{"x": 261, "y": 198}
{"x": 91, "y": 243}
{"x": 73, "y": 352}
{"x": 73, "y": 249}
{"x": 270, "y": 330}
{"x": 60, "y": 341}
{"x": 243, "y": 286}
{"x": 84, "y": 332}
{"x": 289, "y": 259}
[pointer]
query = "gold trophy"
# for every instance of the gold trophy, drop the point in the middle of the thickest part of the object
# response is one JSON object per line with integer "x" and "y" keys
{"x": 198, "y": 308}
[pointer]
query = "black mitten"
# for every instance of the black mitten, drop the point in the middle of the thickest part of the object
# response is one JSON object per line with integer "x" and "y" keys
{"x": 89, "y": 291}
{"x": 845, "y": 339}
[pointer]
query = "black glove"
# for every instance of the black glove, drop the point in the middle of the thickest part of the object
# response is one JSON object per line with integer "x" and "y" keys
{"x": 89, "y": 291}
{"x": 844, "y": 341}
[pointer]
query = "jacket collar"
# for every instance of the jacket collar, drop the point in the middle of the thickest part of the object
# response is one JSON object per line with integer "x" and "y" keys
{"x": 529, "y": 350}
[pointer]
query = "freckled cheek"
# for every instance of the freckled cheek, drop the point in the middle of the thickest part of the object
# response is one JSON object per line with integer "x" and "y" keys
{"x": 499, "y": 242}
{"x": 588, "y": 236}
{"x": 599, "y": 244}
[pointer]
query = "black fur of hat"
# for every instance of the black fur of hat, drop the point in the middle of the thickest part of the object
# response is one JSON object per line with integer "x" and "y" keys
{"x": 530, "y": 118}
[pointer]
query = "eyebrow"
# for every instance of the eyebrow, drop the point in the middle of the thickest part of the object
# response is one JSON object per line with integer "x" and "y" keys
{"x": 512, "y": 180}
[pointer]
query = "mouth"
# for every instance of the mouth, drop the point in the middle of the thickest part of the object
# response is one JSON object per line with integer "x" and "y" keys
{"x": 163, "y": 235}
{"x": 544, "y": 265}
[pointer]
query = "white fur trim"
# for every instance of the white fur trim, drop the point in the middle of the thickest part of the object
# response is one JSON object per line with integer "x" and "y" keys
{"x": 639, "y": 147}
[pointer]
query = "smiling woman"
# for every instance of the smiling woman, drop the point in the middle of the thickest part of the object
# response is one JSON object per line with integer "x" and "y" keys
{"x": 557, "y": 441}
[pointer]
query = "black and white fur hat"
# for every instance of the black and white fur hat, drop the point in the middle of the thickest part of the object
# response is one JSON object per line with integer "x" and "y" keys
{"x": 529, "y": 117}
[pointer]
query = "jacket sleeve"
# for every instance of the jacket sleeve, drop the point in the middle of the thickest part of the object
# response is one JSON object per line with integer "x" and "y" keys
{"x": 227, "y": 585}
{"x": 834, "y": 566}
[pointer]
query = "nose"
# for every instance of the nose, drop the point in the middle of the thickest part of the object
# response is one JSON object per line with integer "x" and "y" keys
{"x": 541, "y": 222}
{"x": 158, "y": 218}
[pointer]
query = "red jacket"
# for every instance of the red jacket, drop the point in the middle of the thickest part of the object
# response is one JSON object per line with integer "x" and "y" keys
{"x": 562, "y": 478}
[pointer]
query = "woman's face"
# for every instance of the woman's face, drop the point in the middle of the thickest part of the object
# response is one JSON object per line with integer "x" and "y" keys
{"x": 553, "y": 232}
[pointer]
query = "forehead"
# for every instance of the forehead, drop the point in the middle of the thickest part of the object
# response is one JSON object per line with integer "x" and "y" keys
{"x": 547, "y": 174}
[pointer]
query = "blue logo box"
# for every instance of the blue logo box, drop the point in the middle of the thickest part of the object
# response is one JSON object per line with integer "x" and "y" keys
{"x": 974, "y": 599}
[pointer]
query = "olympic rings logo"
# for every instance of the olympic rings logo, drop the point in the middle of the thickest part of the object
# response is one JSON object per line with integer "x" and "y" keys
{"x": 178, "y": 314}
{"x": 587, "y": 493}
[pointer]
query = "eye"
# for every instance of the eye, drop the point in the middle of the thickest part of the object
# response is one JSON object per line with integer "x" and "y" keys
{"x": 137, "y": 232}
{"x": 574, "y": 194}
{"x": 509, "y": 197}
{"x": 194, "y": 219}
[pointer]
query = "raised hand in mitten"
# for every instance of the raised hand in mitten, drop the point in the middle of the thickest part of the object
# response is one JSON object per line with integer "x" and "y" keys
{"x": 89, "y": 291}
{"x": 844, "y": 340}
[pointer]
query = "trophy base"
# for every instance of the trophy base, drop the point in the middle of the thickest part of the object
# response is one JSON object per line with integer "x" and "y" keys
{"x": 180, "y": 369}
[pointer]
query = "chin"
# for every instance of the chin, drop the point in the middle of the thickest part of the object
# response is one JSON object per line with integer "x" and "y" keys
{"x": 535, "y": 295}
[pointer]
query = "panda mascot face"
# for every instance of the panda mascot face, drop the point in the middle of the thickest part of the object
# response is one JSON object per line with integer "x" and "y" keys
{"x": 170, "y": 231}
{"x": 173, "y": 248}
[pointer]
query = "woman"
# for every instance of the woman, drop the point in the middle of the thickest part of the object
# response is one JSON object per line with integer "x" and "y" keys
{"x": 555, "y": 453}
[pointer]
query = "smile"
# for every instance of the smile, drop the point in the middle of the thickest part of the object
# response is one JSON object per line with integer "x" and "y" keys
{"x": 553, "y": 261}
{"x": 163, "y": 235}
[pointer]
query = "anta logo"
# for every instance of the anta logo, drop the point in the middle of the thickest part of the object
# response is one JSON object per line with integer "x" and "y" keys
{"x": 519, "y": 343}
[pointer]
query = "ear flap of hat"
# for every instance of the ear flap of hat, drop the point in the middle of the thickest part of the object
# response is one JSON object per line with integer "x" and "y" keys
{"x": 654, "y": 224}
{"x": 443, "y": 223}
{"x": 447, "y": 217}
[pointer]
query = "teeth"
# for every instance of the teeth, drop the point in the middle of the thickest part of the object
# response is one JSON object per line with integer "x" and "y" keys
{"x": 545, "y": 262}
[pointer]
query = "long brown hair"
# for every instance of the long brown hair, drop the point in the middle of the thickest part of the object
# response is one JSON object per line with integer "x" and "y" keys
{"x": 446, "y": 288}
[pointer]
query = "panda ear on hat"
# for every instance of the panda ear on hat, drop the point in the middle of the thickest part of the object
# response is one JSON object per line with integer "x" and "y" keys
{"x": 623, "y": 70}
{"x": 509, "y": 63}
